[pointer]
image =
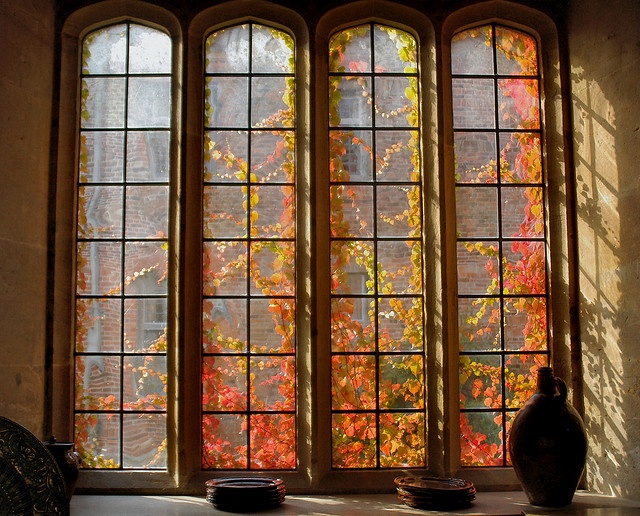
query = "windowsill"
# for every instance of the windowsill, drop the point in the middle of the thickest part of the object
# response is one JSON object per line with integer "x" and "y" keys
{"x": 498, "y": 503}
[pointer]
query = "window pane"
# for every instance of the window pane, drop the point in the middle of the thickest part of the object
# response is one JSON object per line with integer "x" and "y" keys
{"x": 501, "y": 229}
{"x": 104, "y": 51}
{"x": 471, "y": 52}
{"x": 149, "y": 51}
{"x": 249, "y": 232}
{"x": 121, "y": 268}
{"x": 376, "y": 253}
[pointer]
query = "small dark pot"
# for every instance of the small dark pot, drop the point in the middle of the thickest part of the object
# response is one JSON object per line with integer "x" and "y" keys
{"x": 548, "y": 444}
{"x": 68, "y": 461}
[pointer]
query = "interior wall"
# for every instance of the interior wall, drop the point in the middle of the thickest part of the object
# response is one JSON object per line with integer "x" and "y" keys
{"x": 604, "y": 45}
{"x": 26, "y": 62}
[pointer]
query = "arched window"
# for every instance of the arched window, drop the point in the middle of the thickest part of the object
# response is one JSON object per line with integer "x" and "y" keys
{"x": 377, "y": 341}
{"x": 122, "y": 242}
{"x": 249, "y": 233}
{"x": 501, "y": 232}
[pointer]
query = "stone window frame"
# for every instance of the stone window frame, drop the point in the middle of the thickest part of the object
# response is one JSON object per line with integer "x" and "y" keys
{"x": 433, "y": 30}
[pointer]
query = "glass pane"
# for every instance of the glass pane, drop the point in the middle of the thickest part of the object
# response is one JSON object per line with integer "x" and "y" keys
{"x": 272, "y": 51}
{"x": 522, "y": 212}
{"x": 400, "y": 324}
{"x": 480, "y": 381}
{"x": 273, "y": 268}
{"x": 97, "y": 382}
{"x": 100, "y": 212}
{"x": 273, "y": 382}
{"x": 402, "y": 440}
{"x": 147, "y": 212}
{"x": 396, "y": 101}
{"x": 101, "y": 156}
{"x": 272, "y": 156}
{"x": 477, "y": 212}
{"x": 350, "y": 50}
{"x": 227, "y": 102}
{"x": 268, "y": 218}
{"x": 225, "y": 211}
{"x": 354, "y": 107}
{"x": 471, "y": 52}
{"x": 224, "y": 383}
{"x": 104, "y": 51}
{"x": 149, "y": 51}
{"x": 144, "y": 443}
{"x": 401, "y": 381}
{"x": 520, "y": 377}
{"x": 394, "y": 203}
{"x": 353, "y": 387}
{"x": 273, "y": 441}
{"x": 475, "y": 157}
{"x": 478, "y": 268}
{"x": 225, "y": 156}
{"x": 149, "y": 102}
{"x": 516, "y": 52}
{"x": 518, "y": 100}
{"x": 354, "y": 440}
{"x": 224, "y": 268}
{"x": 399, "y": 267}
{"x": 103, "y": 101}
{"x": 98, "y": 325}
{"x": 224, "y": 441}
{"x": 145, "y": 325}
{"x": 352, "y": 271}
{"x": 525, "y": 271}
{"x": 227, "y": 50}
{"x": 145, "y": 268}
{"x": 525, "y": 324}
{"x": 479, "y": 324}
{"x": 395, "y": 51}
{"x": 481, "y": 440}
{"x": 145, "y": 382}
{"x": 397, "y": 156}
{"x": 148, "y": 156}
{"x": 224, "y": 326}
{"x": 270, "y": 102}
{"x": 521, "y": 158}
{"x": 351, "y": 211}
{"x": 98, "y": 268}
{"x": 352, "y": 324}
{"x": 272, "y": 325}
{"x": 351, "y": 153}
{"x": 473, "y": 104}
{"x": 97, "y": 440}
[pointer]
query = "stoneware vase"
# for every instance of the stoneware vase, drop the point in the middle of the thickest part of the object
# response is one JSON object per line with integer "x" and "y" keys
{"x": 68, "y": 461}
{"x": 548, "y": 444}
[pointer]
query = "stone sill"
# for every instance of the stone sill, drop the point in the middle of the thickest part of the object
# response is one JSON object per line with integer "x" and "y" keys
{"x": 496, "y": 503}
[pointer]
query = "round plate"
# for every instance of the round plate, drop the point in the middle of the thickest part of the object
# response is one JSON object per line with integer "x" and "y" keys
{"x": 26, "y": 457}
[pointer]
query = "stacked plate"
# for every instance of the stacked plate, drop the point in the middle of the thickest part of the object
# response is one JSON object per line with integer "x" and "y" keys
{"x": 245, "y": 494}
{"x": 435, "y": 493}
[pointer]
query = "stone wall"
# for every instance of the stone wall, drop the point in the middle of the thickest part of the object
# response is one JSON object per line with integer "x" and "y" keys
{"x": 26, "y": 61}
{"x": 604, "y": 45}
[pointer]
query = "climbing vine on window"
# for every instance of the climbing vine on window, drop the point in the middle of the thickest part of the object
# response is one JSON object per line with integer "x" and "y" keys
{"x": 249, "y": 235}
{"x": 502, "y": 234}
{"x": 377, "y": 343}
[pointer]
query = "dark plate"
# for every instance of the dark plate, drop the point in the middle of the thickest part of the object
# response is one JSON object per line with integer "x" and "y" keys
{"x": 29, "y": 472}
